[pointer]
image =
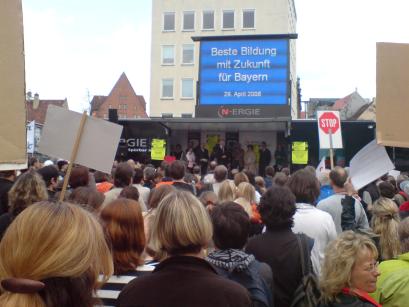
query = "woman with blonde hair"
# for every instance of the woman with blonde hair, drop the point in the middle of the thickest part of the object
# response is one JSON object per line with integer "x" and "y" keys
{"x": 226, "y": 191}
{"x": 28, "y": 189}
{"x": 385, "y": 223}
{"x": 349, "y": 272}
{"x": 52, "y": 255}
{"x": 246, "y": 197}
{"x": 182, "y": 229}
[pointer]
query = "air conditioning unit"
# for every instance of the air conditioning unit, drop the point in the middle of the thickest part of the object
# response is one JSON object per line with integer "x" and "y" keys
{"x": 187, "y": 115}
{"x": 167, "y": 115}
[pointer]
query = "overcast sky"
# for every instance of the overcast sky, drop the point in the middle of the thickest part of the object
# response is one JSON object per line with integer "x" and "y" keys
{"x": 78, "y": 47}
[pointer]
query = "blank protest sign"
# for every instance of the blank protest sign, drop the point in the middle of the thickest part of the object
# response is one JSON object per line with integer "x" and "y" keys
{"x": 392, "y": 94}
{"x": 98, "y": 144}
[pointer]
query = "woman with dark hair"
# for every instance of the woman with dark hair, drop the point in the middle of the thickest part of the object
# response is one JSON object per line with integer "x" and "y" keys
{"x": 231, "y": 228}
{"x": 52, "y": 255}
{"x": 315, "y": 223}
{"x": 182, "y": 229}
{"x": 87, "y": 198}
{"x": 278, "y": 246}
{"x": 123, "y": 223}
{"x": 79, "y": 177}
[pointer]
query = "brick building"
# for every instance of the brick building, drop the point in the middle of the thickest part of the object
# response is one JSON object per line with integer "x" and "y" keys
{"x": 123, "y": 98}
{"x": 37, "y": 108}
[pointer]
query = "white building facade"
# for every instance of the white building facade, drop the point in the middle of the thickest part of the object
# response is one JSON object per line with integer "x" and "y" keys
{"x": 175, "y": 57}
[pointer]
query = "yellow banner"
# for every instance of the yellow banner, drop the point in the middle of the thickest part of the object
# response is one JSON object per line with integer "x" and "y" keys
{"x": 300, "y": 156}
{"x": 300, "y": 146}
{"x": 158, "y": 149}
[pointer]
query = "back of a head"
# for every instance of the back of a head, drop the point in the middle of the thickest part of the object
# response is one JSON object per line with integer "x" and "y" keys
{"x": 89, "y": 198}
{"x": 239, "y": 178}
{"x": 79, "y": 177}
{"x": 226, "y": 191}
{"x": 277, "y": 208}
{"x": 305, "y": 186}
{"x": 177, "y": 170}
{"x": 231, "y": 226}
{"x": 66, "y": 252}
{"x": 260, "y": 181}
{"x": 149, "y": 173}
{"x": 386, "y": 189}
{"x": 404, "y": 235}
{"x": 123, "y": 175}
{"x": 28, "y": 189}
{"x": 310, "y": 169}
{"x": 385, "y": 222}
{"x": 100, "y": 177}
{"x": 123, "y": 223}
{"x": 220, "y": 173}
{"x": 247, "y": 191}
{"x": 250, "y": 175}
{"x": 270, "y": 171}
{"x": 181, "y": 225}
{"x": 338, "y": 176}
{"x": 157, "y": 194}
{"x": 280, "y": 179}
{"x": 212, "y": 165}
{"x": 208, "y": 198}
{"x": 47, "y": 173}
{"x": 138, "y": 176}
{"x": 130, "y": 192}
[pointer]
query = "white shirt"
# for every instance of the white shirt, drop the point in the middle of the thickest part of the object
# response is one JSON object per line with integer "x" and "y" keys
{"x": 319, "y": 226}
{"x": 143, "y": 194}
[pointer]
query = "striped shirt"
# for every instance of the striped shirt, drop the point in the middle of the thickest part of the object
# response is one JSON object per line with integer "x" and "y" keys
{"x": 111, "y": 289}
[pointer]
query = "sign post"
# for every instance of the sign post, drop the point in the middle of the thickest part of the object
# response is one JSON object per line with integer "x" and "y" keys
{"x": 329, "y": 131}
{"x": 73, "y": 155}
{"x": 331, "y": 149}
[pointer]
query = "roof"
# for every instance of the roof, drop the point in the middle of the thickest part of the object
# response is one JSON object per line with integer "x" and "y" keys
{"x": 341, "y": 103}
{"x": 96, "y": 102}
{"x": 38, "y": 114}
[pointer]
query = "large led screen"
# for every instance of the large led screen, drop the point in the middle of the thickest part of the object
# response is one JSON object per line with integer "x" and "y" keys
{"x": 244, "y": 72}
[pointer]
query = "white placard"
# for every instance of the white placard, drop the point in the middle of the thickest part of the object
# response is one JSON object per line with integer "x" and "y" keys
{"x": 31, "y": 136}
{"x": 370, "y": 163}
{"x": 329, "y": 120}
{"x": 320, "y": 167}
{"x": 98, "y": 143}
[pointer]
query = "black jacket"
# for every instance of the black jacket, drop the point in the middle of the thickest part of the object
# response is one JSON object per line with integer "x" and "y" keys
{"x": 5, "y": 186}
{"x": 345, "y": 300}
{"x": 183, "y": 281}
{"x": 279, "y": 249}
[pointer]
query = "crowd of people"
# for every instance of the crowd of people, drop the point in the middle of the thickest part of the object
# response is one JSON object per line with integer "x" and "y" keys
{"x": 187, "y": 235}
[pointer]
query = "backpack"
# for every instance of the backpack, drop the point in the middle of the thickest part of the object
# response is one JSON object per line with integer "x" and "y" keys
{"x": 260, "y": 294}
{"x": 307, "y": 293}
{"x": 348, "y": 214}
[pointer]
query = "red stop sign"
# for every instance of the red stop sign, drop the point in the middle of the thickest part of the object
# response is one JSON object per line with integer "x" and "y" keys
{"x": 328, "y": 121}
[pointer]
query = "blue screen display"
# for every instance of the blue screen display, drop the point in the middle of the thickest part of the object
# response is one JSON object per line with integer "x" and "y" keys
{"x": 250, "y": 72}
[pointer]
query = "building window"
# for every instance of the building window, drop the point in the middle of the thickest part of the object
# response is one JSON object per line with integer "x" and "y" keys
{"x": 208, "y": 20}
{"x": 188, "y": 21}
{"x": 167, "y": 88}
{"x": 187, "y": 88}
{"x": 248, "y": 19}
{"x": 188, "y": 53}
{"x": 125, "y": 106}
{"x": 110, "y": 106}
{"x": 168, "y": 55}
{"x": 169, "y": 21}
{"x": 228, "y": 19}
